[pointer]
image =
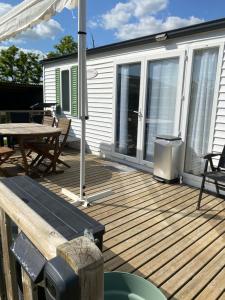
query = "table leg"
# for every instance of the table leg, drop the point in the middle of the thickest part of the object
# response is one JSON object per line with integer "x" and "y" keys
{"x": 24, "y": 157}
{"x": 56, "y": 150}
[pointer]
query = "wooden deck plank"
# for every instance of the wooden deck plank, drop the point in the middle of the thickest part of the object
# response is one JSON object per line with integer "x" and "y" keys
{"x": 183, "y": 252}
{"x": 141, "y": 202}
{"x": 180, "y": 280}
{"x": 214, "y": 289}
{"x": 201, "y": 280}
{"x": 134, "y": 192}
{"x": 149, "y": 207}
{"x": 153, "y": 229}
{"x": 155, "y": 217}
{"x": 221, "y": 297}
{"x": 156, "y": 235}
{"x": 115, "y": 227}
{"x": 156, "y": 256}
{"x": 141, "y": 241}
{"x": 95, "y": 184}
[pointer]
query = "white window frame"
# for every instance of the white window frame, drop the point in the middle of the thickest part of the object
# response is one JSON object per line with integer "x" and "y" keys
{"x": 143, "y": 60}
{"x": 164, "y": 55}
{"x": 183, "y": 100}
{"x": 65, "y": 69}
{"x": 117, "y": 62}
{"x": 186, "y": 104}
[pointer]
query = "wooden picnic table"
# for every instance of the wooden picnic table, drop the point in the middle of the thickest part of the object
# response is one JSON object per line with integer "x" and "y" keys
{"x": 29, "y": 131}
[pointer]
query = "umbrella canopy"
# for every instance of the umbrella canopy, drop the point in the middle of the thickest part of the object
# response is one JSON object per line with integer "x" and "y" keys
{"x": 30, "y": 12}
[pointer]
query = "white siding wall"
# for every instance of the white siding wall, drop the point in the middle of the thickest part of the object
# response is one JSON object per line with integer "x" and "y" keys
{"x": 49, "y": 90}
{"x": 100, "y": 93}
{"x": 219, "y": 133}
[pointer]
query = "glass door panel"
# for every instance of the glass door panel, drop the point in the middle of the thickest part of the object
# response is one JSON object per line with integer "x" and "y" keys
{"x": 162, "y": 83}
{"x": 127, "y": 106}
{"x": 204, "y": 69}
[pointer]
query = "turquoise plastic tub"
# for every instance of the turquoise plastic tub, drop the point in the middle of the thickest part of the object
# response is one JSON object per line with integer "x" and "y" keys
{"x": 126, "y": 286}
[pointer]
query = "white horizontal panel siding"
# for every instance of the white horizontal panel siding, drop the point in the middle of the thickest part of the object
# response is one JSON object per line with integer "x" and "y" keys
{"x": 49, "y": 85}
{"x": 100, "y": 95}
{"x": 219, "y": 133}
{"x": 100, "y": 98}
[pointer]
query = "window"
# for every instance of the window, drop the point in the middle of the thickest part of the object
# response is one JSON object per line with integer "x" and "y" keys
{"x": 66, "y": 90}
{"x": 204, "y": 69}
{"x": 128, "y": 87}
{"x": 65, "y": 87}
{"x": 161, "y": 101}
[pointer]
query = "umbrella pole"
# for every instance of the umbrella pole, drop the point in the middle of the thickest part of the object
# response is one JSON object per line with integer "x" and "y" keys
{"x": 82, "y": 88}
{"x": 83, "y": 110}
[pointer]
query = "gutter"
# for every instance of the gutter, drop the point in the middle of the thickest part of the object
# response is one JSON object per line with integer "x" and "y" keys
{"x": 172, "y": 34}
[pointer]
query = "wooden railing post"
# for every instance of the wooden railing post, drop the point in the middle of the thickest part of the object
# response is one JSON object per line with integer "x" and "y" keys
{"x": 8, "y": 260}
{"x": 2, "y": 277}
{"x": 29, "y": 289}
{"x": 86, "y": 260}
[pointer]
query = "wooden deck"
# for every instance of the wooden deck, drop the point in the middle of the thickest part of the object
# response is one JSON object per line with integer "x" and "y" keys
{"x": 153, "y": 229}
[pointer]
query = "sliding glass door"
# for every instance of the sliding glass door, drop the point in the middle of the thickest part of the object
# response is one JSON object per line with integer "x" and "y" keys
{"x": 149, "y": 103}
{"x": 202, "y": 86}
{"x": 127, "y": 109}
{"x": 161, "y": 102}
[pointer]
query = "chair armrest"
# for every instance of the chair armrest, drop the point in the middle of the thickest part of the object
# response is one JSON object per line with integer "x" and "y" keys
{"x": 210, "y": 155}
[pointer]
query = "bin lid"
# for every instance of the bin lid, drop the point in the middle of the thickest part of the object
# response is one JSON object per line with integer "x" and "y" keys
{"x": 168, "y": 137}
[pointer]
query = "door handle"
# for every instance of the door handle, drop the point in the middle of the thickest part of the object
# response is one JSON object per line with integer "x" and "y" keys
{"x": 138, "y": 113}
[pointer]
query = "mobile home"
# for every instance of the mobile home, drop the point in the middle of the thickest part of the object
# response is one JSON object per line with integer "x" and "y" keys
{"x": 169, "y": 83}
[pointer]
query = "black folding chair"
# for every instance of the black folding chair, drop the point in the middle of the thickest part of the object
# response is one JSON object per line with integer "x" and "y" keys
{"x": 216, "y": 175}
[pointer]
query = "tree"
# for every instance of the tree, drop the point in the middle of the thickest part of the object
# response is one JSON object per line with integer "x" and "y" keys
{"x": 7, "y": 64}
{"x": 66, "y": 45}
{"x": 18, "y": 66}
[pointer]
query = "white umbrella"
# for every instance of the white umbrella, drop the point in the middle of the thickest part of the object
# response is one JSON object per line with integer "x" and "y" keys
{"x": 31, "y": 12}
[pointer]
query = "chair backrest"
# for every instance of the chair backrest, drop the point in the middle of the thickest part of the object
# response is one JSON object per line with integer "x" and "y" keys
{"x": 64, "y": 124}
{"x": 48, "y": 121}
{"x": 221, "y": 164}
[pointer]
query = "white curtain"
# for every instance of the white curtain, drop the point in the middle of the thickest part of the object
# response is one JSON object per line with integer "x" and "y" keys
{"x": 123, "y": 113}
{"x": 200, "y": 110}
{"x": 161, "y": 101}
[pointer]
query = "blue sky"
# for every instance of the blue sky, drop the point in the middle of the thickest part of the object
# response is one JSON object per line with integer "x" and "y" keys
{"x": 111, "y": 21}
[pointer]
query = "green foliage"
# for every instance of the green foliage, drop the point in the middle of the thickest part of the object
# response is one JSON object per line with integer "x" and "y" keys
{"x": 67, "y": 45}
{"x": 18, "y": 66}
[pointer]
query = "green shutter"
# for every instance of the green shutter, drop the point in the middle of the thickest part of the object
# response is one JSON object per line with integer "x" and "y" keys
{"x": 74, "y": 91}
{"x": 58, "y": 90}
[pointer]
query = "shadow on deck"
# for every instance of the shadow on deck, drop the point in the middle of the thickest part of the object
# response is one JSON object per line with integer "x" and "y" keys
{"x": 153, "y": 229}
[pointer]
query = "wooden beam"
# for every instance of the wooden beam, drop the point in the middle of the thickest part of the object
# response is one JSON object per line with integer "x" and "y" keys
{"x": 2, "y": 277}
{"x": 29, "y": 289}
{"x": 86, "y": 260}
{"x": 8, "y": 259}
{"x": 39, "y": 232}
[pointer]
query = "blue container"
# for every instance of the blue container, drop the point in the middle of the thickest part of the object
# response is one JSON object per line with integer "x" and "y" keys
{"x": 126, "y": 286}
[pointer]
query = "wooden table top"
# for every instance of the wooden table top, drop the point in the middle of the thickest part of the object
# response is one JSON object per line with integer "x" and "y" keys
{"x": 27, "y": 129}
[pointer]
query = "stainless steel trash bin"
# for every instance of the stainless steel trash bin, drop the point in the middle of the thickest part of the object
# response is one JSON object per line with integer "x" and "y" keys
{"x": 167, "y": 158}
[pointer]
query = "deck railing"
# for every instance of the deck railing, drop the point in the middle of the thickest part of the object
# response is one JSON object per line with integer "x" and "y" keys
{"x": 6, "y": 115}
{"x": 80, "y": 254}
